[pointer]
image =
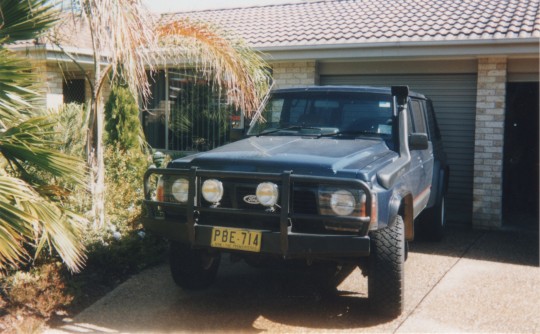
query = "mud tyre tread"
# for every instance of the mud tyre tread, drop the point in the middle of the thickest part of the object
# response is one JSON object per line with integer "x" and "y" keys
{"x": 192, "y": 269}
{"x": 386, "y": 270}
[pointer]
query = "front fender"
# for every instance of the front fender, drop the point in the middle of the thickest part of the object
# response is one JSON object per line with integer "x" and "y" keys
{"x": 401, "y": 203}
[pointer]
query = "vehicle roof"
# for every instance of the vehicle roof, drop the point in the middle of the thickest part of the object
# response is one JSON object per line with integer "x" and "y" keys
{"x": 344, "y": 89}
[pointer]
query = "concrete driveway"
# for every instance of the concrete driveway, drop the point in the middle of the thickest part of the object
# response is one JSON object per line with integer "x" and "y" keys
{"x": 473, "y": 281}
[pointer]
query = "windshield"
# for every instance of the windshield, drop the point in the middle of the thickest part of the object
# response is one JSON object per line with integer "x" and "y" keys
{"x": 325, "y": 114}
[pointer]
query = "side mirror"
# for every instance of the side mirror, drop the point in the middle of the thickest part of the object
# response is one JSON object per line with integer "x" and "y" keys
{"x": 401, "y": 93}
{"x": 418, "y": 141}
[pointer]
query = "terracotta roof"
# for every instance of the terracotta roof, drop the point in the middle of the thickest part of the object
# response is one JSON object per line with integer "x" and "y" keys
{"x": 69, "y": 32}
{"x": 369, "y": 21}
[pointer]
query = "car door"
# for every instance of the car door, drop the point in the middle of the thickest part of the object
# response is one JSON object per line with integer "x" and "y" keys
{"x": 423, "y": 158}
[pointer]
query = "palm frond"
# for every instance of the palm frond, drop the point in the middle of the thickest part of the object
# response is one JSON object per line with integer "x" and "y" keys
{"x": 229, "y": 62}
{"x": 25, "y": 19}
{"x": 29, "y": 143}
{"x": 16, "y": 95}
{"x": 28, "y": 218}
{"x": 121, "y": 29}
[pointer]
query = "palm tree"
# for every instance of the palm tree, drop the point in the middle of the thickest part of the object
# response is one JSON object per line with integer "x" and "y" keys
{"x": 32, "y": 216}
{"x": 126, "y": 42}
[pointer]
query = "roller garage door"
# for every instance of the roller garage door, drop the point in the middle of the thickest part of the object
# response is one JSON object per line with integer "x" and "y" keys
{"x": 454, "y": 100}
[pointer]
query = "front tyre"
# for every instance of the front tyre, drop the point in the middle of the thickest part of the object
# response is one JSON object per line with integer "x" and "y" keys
{"x": 192, "y": 269}
{"x": 386, "y": 269}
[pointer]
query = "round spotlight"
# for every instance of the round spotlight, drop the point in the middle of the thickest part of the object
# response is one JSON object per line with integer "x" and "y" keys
{"x": 267, "y": 193}
{"x": 179, "y": 190}
{"x": 212, "y": 190}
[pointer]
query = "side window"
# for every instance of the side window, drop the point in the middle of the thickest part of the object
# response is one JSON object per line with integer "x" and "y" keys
{"x": 418, "y": 117}
{"x": 409, "y": 119}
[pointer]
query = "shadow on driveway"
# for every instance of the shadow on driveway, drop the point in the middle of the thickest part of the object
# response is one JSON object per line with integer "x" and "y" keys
{"x": 246, "y": 299}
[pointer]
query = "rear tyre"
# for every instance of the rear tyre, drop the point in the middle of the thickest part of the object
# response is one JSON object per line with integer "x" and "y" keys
{"x": 192, "y": 269}
{"x": 433, "y": 221}
{"x": 386, "y": 269}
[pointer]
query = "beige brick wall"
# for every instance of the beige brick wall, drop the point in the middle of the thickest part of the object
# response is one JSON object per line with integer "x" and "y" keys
{"x": 50, "y": 77}
{"x": 489, "y": 141}
{"x": 294, "y": 74}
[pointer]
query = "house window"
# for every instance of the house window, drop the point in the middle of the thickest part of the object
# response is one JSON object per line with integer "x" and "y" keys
{"x": 73, "y": 90}
{"x": 187, "y": 113}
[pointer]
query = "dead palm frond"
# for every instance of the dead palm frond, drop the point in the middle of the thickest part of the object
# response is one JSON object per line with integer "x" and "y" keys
{"x": 126, "y": 44}
{"x": 230, "y": 63}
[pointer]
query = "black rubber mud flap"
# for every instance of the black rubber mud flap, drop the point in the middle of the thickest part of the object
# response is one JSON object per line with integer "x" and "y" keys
{"x": 432, "y": 222}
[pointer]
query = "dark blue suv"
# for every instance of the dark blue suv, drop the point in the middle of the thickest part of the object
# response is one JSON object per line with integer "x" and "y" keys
{"x": 326, "y": 174}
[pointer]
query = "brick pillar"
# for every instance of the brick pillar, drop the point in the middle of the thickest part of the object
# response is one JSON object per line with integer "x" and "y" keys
{"x": 489, "y": 140}
{"x": 295, "y": 73}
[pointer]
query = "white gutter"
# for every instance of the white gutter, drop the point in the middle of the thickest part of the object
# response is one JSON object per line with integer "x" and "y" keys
{"x": 400, "y": 49}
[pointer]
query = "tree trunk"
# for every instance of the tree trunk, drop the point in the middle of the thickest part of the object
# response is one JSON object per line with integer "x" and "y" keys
{"x": 96, "y": 162}
{"x": 97, "y": 166}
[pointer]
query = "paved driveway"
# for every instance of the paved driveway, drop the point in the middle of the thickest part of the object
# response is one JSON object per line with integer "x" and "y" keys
{"x": 474, "y": 281}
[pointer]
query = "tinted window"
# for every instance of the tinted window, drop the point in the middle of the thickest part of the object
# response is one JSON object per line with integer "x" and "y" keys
{"x": 418, "y": 117}
{"x": 368, "y": 113}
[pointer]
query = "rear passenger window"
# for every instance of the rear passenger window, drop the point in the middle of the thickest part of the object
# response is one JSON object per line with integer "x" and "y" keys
{"x": 418, "y": 117}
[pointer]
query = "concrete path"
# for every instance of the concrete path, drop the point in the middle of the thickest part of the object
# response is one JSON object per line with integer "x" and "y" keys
{"x": 473, "y": 281}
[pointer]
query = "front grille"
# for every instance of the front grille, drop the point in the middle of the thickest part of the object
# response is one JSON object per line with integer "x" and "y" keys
{"x": 304, "y": 201}
{"x": 233, "y": 211}
{"x": 241, "y": 193}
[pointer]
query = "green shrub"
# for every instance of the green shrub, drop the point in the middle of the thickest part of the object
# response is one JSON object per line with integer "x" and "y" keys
{"x": 124, "y": 172}
{"x": 122, "y": 119}
{"x": 72, "y": 129}
{"x": 111, "y": 262}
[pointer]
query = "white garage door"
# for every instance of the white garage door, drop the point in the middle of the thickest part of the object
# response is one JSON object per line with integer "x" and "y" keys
{"x": 454, "y": 100}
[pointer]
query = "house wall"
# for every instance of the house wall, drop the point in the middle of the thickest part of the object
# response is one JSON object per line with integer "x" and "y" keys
{"x": 489, "y": 142}
{"x": 51, "y": 78}
{"x": 53, "y": 74}
{"x": 294, "y": 74}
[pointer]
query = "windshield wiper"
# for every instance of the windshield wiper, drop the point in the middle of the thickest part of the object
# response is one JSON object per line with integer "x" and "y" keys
{"x": 350, "y": 133}
{"x": 294, "y": 127}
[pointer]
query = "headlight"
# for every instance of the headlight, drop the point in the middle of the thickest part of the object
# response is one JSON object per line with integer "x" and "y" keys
{"x": 179, "y": 190}
{"x": 342, "y": 202}
{"x": 212, "y": 190}
{"x": 267, "y": 194}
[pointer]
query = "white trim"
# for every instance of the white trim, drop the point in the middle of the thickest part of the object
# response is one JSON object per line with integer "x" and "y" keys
{"x": 526, "y": 47}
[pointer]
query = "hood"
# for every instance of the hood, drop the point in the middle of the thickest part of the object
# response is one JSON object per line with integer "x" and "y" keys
{"x": 302, "y": 155}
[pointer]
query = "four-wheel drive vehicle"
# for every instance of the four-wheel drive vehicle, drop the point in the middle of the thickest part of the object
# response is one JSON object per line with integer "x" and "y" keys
{"x": 326, "y": 174}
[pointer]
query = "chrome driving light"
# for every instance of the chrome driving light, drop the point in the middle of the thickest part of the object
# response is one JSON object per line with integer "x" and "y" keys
{"x": 342, "y": 202}
{"x": 267, "y": 194}
{"x": 179, "y": 190}
{"x": 212, "y": 190}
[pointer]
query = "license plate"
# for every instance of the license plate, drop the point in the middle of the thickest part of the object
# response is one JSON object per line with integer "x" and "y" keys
{"x": 232, "y": 238}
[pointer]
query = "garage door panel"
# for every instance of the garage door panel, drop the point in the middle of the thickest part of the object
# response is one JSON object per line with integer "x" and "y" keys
{"x": 454, "y": 100}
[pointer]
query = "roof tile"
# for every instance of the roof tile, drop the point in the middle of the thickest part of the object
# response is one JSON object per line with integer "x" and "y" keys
{"x": 358, "y": 21}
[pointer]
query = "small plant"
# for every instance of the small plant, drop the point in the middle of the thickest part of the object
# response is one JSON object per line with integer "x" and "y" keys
{"x": 42, "y": 290}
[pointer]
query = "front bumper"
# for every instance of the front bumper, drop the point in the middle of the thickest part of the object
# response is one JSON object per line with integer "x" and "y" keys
{"x": 299, "y": 245}
{"x": 192, "y": 222}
